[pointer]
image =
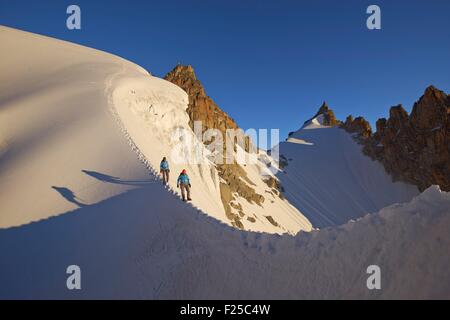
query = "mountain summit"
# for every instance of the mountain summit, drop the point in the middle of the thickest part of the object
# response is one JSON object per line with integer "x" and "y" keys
{"x": 323, "y": 117}
{"x": 201, "y": 107}
{"x": 329, "y": 119}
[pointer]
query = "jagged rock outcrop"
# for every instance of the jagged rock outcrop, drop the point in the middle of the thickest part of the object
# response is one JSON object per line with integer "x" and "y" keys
{"x": 329, "y": 119}
{"x": 203, "y": 108}
{"x": 414, "y": 148}
{"x": 359, "y": 125}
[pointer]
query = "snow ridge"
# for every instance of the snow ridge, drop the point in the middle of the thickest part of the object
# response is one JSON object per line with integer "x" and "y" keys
{"x": 109, "y": 89}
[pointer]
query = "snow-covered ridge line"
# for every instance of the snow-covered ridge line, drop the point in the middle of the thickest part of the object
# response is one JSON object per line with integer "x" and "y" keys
{"x": 151, "y": 112}
{"x": 131, "y": 96}
{"x": 60, "y": 148}
{"x": 154, "y": 169}
{"x": 108, "y": 92}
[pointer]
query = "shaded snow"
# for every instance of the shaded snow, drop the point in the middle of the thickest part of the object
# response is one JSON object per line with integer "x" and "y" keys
{"x": 331, "y": 181}
{"x": 61, "y": 148}
{"x": 172, "y": 251}
{"x": 313, "y": 123}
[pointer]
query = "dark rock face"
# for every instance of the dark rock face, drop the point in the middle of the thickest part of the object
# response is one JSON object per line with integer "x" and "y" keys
{"x": 414, "y": 148}
{"x": 358, "y": 125}
{"x": 203, "y": 108}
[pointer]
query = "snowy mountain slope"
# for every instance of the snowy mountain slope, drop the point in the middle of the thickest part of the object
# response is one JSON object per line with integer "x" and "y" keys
{"x": 60, "y": 148}
{"x": 173, "y": 251}
{"x": 62, "y": 108}
{"x": 79, "y": 125}
{"x": 153, "y": 112}
{"x": 331, "y": 181}
{"x": 275, "y": 210}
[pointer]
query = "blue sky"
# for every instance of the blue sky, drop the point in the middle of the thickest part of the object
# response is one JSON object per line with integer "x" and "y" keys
{"x": 269, "y": 64}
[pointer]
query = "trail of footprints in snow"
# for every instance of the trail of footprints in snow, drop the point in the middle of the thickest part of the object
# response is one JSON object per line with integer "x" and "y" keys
{"x": 257, "y": 237}
{"x": 131, "y": 143}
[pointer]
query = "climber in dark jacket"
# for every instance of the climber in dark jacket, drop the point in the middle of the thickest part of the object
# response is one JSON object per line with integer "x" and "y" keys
{"x": 184, "y": 183}
{"x": 164, "y": 170}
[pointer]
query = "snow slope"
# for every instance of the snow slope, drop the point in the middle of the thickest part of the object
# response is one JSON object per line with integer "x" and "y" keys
{"x": 60, "y": 148}
{"x": 78, "y": 126}
{"x": 331, "y": 181}
{"x": 153, "y": 112}
{"x": 178, "y": 253}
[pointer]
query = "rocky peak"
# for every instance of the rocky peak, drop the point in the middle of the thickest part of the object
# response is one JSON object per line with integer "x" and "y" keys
{"x": 186, "y": 71}
{"x": 381, "y": 125}
{"x": 358, "y": 125}
{"x": 431, "y": 110}
{"x": 329, "y": 119}
{"x": 184, "y": 77}
{"x": 201, "y": 107}
{"x": 184, "y": 74}
{"x": 398, "y": 117}
{"x": 433, "y": 96}
{"x": 398, "y": 112}
{"x": 413, "y": 148}
{"x": 324, "y": 109}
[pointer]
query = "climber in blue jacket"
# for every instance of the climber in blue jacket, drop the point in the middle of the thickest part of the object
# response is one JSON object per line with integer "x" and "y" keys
{"x": 184, "y": 183}
{"x": 164, "y": 170}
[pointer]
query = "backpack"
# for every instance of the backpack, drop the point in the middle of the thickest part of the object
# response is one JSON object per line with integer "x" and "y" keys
{"x": 164, "y": 165}
{"x": 183, "y": 179}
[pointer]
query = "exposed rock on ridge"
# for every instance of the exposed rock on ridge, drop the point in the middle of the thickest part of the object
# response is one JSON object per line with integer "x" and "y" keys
{"x": 202, "y": 108}
{"x": 414, "y": 148}
{"x": 329, "y": 119}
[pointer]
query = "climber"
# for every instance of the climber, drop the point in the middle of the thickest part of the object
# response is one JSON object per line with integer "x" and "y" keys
{"x": 185, "y": 184}
{"x": 164, "y": 170}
